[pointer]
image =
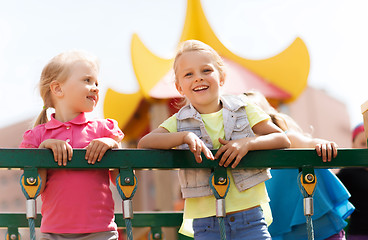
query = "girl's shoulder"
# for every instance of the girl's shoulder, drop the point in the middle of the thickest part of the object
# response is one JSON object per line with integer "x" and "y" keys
{"x": 31, "y": 137}
{"x": 36, "y": 130}
{"x": 109, "y": 128}
{"x": 105, "y": 121}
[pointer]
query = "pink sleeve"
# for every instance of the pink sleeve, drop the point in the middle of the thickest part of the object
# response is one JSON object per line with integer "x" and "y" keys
{"x": 112, "y": 130}
{"x": 29, "y": 140}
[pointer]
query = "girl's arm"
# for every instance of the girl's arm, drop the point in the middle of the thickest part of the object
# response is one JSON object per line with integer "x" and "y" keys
{"x": 113, "y": 174}
{"x": 269, "y": 136}
{"x": 43, "y": 175}
{"x": 160, "y": 138}
{"x": 324, "y": 148}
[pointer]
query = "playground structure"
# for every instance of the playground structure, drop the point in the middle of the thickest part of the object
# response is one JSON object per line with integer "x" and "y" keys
{"x": 132, "y": 159}
{"x": 126, "y": 160}
{"x": 281, "y": 78}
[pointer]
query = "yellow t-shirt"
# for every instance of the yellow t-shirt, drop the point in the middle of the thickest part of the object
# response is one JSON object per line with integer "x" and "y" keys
{"x": 205, "y": 206}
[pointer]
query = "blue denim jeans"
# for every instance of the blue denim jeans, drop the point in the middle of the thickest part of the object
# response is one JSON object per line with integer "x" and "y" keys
{"x": 248, "y": 224}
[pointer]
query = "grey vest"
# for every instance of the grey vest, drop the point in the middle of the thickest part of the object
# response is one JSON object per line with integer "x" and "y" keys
{"x": 195, "y": 182}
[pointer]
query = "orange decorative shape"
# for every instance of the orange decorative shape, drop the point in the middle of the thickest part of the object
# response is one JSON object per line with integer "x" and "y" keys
{"x": 309, "y": 187}
{"x": 221, "y": 189}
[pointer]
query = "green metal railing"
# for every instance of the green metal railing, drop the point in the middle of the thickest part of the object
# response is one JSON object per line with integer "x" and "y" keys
{"x": 154, "y": 220}
{"x": 128, "y": 159}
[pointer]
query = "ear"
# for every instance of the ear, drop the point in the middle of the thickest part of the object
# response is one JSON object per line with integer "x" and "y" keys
{"x": 56, "y": 89}
{"x": 180, "y": 90}
{"x": 222, "y": 80}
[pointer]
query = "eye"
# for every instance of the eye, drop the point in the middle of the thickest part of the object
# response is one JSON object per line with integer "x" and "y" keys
{"x": 188, "y": 74}
{"x": 207, "y": 70}
{"x": 87, "y": 80}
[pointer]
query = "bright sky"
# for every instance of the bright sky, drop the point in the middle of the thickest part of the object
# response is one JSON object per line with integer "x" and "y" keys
{"x": 32, "y": 32}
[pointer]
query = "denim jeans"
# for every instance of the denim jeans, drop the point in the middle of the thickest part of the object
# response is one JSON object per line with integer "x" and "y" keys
{"x": 248, "y": 224}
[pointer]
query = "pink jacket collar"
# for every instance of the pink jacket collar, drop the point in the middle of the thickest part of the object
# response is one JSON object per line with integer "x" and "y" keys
{"x": 53, "y": 123}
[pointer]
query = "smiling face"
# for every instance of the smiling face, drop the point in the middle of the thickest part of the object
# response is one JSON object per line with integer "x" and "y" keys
{"x": 199, "y": 80}
{"x": 78, "y": 93}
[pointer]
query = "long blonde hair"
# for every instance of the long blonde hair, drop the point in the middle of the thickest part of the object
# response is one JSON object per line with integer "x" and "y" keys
{"x": 195, "y": 45}
{"x": 58, "y": 69}
{"x": 281, "y": 120}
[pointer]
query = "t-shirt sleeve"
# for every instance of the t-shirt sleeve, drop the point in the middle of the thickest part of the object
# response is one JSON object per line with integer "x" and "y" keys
{"x": 112, "y": 130}
{"x": 30, "y": 140}
{"x": 255, "y": 114}
{"x": 170, "y": 124}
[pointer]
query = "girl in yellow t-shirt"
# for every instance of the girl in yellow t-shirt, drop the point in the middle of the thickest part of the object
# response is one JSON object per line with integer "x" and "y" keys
{"x": 228, "y": 124}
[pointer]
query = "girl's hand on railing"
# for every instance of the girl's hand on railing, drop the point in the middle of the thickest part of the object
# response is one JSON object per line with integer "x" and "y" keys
{"x": 235, "y": 149}
{"x": 197, "y": 146}
{"x": 63, "y": 152}
{"x": 327, "y": 150}
{"x": 97, "y": 148}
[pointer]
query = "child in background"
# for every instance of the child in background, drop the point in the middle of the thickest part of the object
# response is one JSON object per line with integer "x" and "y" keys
{"x": 226, "y": 123}
{"x": 331, "y": 206}
{"x": 77, "y": 204}
{"x": 355, "y": 179}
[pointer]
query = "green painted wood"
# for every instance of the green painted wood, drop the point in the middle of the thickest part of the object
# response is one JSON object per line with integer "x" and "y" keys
{"x": 140, "y": 219}
{"x": 171, "y": 159}
{"x": 167, "y": 159}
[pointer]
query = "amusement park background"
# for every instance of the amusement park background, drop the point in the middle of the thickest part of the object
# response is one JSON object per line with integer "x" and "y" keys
{"x": 327, "y": 104}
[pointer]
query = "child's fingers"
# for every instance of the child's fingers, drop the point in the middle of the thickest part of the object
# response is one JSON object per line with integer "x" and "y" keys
{"x": 198, "y": 158}
{"x": 59, "y": 155}
{"x": 102, "y": 152}
{"x": 65, "y": 154}
{"x": 239, "y": 157}
{"x": 237, "y": 161}
{"x": 70, "y": 152}
{"x": 208, "y": 153}
{"x": 223, "y": 141}
{"x": 88, "y": 150}
{"x": 91, "y": 148}
{"x": 324, "y": 152}
{"x": 220, "y": 151}
{"x": 230, "y": 159}
{"x": 224, "y": 157}
{"x": 222, "y": 148}
{"x": 198, "y": 152}
{"x": 318, "y": 149}
{"x": 95, "y": 151}
{"x": 329, "y": 152}
{"x": 334, "y": 147}
{"x": 55, "y": 153}
{"x": 192, "y": 146}
{"x": 95, "y": 155}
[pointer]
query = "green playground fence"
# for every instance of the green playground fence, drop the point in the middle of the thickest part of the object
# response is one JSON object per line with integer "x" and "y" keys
{"x": 127, "y": 160}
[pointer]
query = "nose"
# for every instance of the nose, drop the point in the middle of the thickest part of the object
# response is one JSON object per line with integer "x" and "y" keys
{"x": 95, "y": 89}
{"x": 198, "y": 77}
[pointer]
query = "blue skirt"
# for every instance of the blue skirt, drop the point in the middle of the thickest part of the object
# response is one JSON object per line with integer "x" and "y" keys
{"x": 331, "y": 205}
